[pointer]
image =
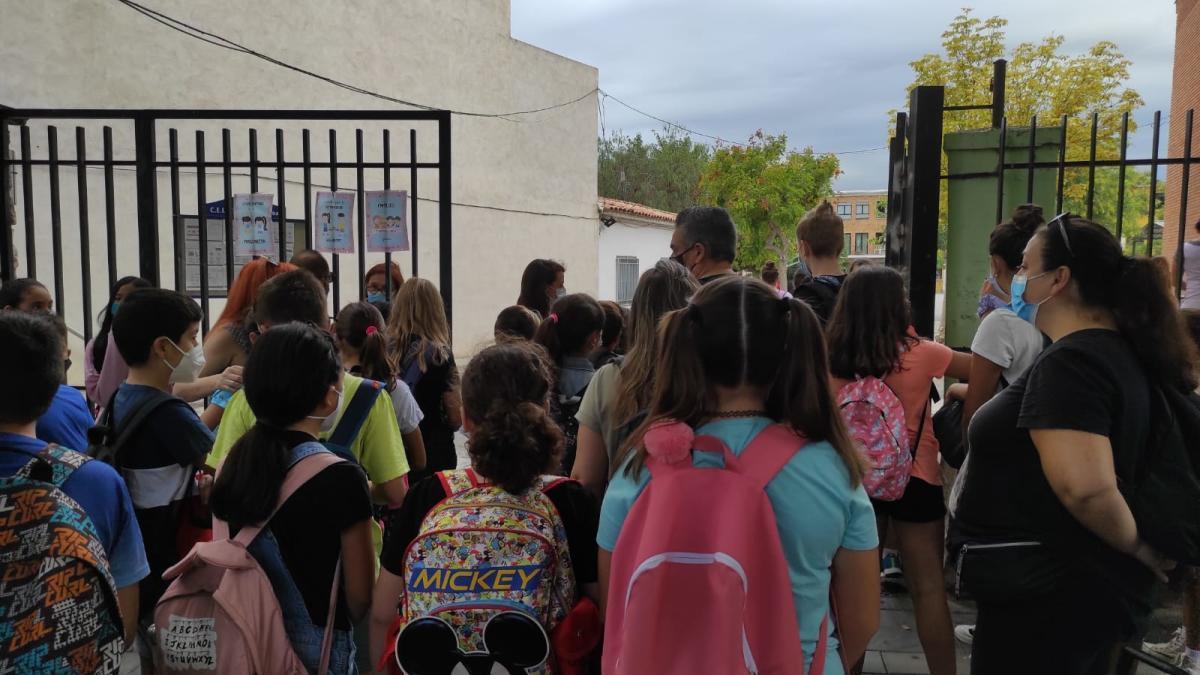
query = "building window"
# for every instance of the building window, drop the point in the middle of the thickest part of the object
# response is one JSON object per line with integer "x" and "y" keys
{"x": 864, "y": 210}
{"x": 846, "y": 246}
{"x": 843, "y": 210}
{"x": 860, "y": 243}
{"x": 627, "y": 277}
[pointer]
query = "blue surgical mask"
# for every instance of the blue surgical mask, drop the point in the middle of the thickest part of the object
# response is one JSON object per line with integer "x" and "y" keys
{"x": 1023, "y": 309}
{"x": 376, "y": 296}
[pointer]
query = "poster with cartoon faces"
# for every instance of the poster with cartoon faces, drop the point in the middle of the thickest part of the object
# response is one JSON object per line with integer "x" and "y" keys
{"x": 252, "y": 215}
{"x": 333, "y": 213}
{"x": 387, "y": 213}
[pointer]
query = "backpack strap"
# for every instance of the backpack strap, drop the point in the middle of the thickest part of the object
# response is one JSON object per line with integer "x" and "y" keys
{"x": 299, "y": 474}
{"x": 52, "y": 464}
{"x": 767, "y": 454}
{"x": 108, "y": 446}
{"x": 551, "y": 482}
{"x": 455, "y": 482}
{"x": 353, "y": 418}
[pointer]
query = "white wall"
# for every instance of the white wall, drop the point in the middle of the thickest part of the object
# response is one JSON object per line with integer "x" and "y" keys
{"x": 648, "y": 243}
{"x": 454, "y": 54}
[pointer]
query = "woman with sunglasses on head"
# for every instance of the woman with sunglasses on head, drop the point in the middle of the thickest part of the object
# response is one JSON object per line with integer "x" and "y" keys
{"x": 1063, "y": 571}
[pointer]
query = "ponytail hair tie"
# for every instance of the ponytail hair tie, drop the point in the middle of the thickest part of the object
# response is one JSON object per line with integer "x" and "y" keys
{"x": 371, "y": 330}
{"x": 553, "y": 317}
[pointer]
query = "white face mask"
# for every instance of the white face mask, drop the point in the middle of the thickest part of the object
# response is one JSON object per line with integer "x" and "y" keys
{"x": 328, "y": 422}
{"x": 189, "y": 366}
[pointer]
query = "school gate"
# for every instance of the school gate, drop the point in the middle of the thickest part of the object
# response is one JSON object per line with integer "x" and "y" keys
{"x": 159, "y": 172}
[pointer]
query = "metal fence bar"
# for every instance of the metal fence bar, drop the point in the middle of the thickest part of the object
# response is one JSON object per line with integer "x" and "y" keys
{"x": 179, "y": 236}
{"x": 1184, "y": 184}
{"x": 281, "y": 187}
{"x": 1153, "y": 184}
{"x": 1121, "y": 174}
{"x": 227, "y": 184}
{"x": 253, "y": 165}
{"x": 306, "y": 151}
{"x": 55, "y": 221}
{"x": 999, "y": 77}
{"x": 333, "y": 183}
{"x": 147, "y": 198}
{"x": 1032, "y": 159}
{"x": 202, "y": 211}
{"x": 412, "y": 197}
{"x": 7, "y": 253}
{"x": 1062, "y": 161}
{"x": 445, "y": 215}
{"x": 110, "y": 209}
{"x": 1000, "y": 170}
{"x": 362, "y": 216}
{"x": 27, "y": 197}
{"x": 85, "y": 246}
{"x": 1091, "y": 184}
{"x": 202, "y": 114}
{"x": 387, "y": 185}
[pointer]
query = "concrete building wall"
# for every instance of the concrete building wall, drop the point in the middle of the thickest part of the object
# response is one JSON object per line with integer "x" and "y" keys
{"x": 1185, "y": 95}
{"x": 455, "y": 54}
{"x": 646, "y": 241}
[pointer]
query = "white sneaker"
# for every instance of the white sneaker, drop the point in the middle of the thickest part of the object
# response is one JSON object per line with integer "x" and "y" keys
{"x": 965, "y": 633}
{"x": 1171, "y": 650}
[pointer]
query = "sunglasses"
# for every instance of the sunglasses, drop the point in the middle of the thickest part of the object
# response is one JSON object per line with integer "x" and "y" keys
{"x": 1061, "y": 219}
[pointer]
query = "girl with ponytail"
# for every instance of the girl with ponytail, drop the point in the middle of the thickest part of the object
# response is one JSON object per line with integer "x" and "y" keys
{"x": 1048, "y": 454}
{"x": 327, "y": 518}
{"x": 359, "y": 329}
{"x": 569, "y": 334}
{"x": 735, "y": 361}
{"x": 512, "y": 443}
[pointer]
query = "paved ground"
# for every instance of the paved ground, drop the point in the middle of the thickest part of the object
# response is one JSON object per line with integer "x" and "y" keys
{"x": 896, "y": 649}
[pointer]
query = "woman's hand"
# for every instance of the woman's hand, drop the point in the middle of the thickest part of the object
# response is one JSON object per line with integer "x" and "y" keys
{"x": 231, "y": 379}
{"x": 1158, "y": 563}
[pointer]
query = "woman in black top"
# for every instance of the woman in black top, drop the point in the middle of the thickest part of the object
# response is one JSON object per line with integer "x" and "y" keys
{"x": 1049, "y": 453}
{"x": 419, "y": 342}
{"x": 513, "y": 442}
{"x": 326, "y": 519}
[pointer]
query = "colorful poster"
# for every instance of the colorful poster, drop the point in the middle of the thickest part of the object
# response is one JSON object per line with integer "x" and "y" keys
{"x": 335, "y": 213}
{"x": 252, "y": 218}
{"x": 387, "y": 220}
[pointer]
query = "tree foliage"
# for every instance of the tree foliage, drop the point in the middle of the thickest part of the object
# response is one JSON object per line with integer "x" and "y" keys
{"x": 1046, "y": 83}
{"x": 766, "y": 188}
{"x": 664, "y": 174}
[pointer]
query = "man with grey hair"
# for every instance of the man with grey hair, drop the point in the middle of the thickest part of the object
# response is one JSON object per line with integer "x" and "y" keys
{"x": 705, "y": 242}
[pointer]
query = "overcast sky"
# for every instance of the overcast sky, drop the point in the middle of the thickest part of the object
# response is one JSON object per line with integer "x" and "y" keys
{"x": 825, "y": 72}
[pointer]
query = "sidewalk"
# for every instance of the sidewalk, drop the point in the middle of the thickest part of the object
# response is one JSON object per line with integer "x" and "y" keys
{"x": 896, "y": 649}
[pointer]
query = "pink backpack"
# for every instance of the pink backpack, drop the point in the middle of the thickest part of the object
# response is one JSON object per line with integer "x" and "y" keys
{"x": 699, "y": 583}
{"x": 220, "y": 613}
{"x": 875, "y": 418}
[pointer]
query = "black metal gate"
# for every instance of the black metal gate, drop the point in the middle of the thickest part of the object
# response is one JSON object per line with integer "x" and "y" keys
{"x": 147, "y": 158}
{"x": 914, "y": 183}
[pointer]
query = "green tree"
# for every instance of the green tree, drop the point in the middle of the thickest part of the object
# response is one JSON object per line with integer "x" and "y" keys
{"x": 766, "y": 189}
{"x": 664, "y": 174}
{"x": 1045, "y": 82}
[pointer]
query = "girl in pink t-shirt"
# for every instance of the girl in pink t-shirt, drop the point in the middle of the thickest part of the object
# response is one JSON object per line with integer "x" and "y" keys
{"x": 870, "y": 334}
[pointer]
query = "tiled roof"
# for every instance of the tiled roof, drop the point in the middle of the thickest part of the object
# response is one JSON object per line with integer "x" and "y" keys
{"x": 639, "y": 210}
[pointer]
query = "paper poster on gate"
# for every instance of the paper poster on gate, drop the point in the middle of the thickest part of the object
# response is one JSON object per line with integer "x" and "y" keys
{"x": 252, "y": 218}
{"x": 387, "y": 220}
{"x": 334, "y": 214}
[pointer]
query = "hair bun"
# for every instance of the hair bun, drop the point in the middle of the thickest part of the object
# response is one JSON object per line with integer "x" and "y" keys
{"x": 1027, "y": 218}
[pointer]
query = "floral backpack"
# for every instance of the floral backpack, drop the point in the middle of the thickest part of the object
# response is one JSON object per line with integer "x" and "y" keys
{"x": 875, "y": 418}
{"x": 488, "y": 577}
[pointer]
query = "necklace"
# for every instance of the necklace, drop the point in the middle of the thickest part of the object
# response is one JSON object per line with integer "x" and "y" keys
{"x": 731, "y": 414}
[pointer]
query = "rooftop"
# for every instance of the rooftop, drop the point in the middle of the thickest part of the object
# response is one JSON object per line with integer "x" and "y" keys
{"x": 608, "y": 205}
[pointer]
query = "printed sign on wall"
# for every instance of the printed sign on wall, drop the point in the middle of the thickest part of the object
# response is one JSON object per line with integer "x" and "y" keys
{"x": 387, "y": 220}
{"x": 252, "y": 220}
{"x": 335, "y": 213}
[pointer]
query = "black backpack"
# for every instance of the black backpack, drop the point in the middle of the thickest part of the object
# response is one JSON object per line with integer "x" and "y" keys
{"x": 562, "y": 411}
{"x": 106, "y": 440}
{"x": 1162, "y": 483}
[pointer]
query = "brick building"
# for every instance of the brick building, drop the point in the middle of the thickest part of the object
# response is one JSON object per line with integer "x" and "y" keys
{"x": 864, "y": 213}
{"x": 1185, "y": 95}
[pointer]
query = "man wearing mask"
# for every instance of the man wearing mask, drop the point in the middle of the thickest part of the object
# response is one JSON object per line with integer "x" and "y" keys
{"x": 705, "y": 242}
{"x": 157, "y": 333}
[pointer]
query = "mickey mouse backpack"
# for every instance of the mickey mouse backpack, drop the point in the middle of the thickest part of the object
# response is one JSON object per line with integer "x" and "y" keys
{"x": 487, "y": 581}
